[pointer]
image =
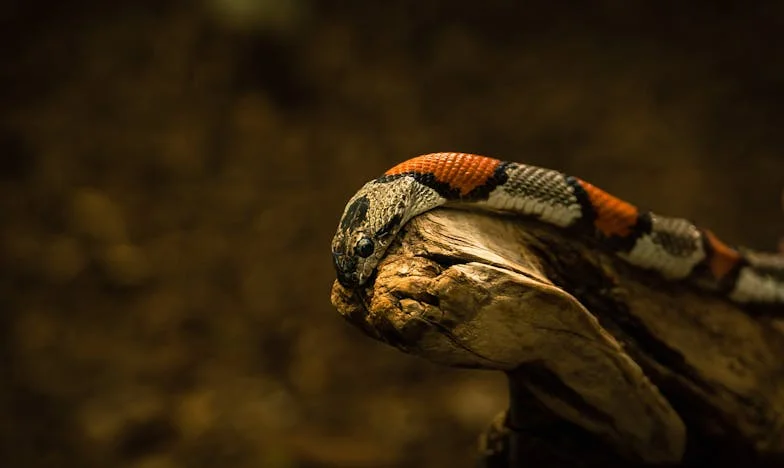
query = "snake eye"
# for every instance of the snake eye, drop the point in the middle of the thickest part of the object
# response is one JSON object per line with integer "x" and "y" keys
{"x": 364, "y": 248}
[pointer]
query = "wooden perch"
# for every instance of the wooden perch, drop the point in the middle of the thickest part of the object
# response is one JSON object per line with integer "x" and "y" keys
{"x": 607, "y": 364}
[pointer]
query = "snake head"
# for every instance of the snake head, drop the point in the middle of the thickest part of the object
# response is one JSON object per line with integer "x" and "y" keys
{"x": 371, "y": 219}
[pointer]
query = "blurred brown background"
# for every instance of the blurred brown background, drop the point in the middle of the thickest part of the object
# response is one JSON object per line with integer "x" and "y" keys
{"x": 172, "y": 174}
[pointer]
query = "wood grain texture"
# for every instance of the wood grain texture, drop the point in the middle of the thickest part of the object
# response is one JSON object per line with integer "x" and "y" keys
{"x": 641, "y": 369}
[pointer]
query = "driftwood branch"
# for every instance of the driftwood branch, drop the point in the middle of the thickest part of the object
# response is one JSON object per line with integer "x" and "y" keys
{"x": 607, "y": 364}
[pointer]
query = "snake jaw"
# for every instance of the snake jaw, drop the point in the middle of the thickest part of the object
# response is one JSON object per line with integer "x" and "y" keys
{"x": 346, "y": 269}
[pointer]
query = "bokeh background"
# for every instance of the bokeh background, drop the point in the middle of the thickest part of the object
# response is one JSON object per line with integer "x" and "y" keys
{"x": 172, "y": 173}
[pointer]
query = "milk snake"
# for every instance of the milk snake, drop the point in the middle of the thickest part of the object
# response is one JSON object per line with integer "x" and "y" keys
{"x": 673, "y": 247}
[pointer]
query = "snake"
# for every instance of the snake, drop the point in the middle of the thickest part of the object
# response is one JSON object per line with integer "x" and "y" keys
{"x": 675, "y": 248}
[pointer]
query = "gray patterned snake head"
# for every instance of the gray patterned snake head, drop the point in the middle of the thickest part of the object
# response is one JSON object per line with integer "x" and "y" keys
{"x": 371, "y": 219}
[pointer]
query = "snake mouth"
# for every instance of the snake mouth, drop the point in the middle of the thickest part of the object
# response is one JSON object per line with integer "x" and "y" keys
{"x": 346, "y": 269}
{"x": 348, "y": 281}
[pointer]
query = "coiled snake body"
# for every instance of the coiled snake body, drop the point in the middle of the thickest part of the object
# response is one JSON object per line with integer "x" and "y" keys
{"x": 673, "y": 247}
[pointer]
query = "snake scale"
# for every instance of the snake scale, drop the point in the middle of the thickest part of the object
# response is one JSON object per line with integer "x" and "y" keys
{"x": 675, "y": 248}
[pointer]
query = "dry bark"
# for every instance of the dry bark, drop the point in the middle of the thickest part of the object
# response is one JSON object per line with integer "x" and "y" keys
{"x": 607, "y": 364}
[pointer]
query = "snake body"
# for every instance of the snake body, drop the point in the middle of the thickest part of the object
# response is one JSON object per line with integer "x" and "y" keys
{"x": 673, "y": 247}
